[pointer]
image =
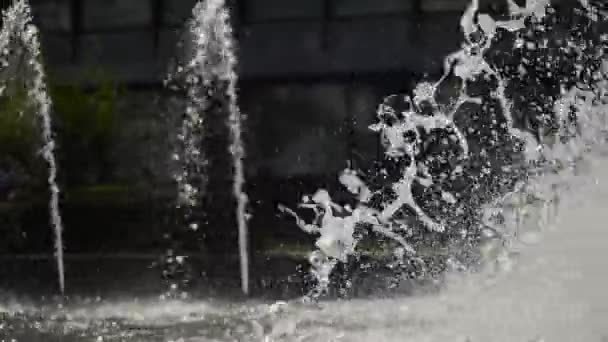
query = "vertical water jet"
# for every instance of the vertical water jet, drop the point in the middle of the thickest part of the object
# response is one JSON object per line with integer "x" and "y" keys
{"x": 209, "y": 77}
{"x": 17, "y": 25}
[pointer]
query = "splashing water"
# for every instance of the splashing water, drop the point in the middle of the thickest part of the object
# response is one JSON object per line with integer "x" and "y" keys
{"x": 213, "y": 60}
{"x": 17, "y": 24}
{"x": 568, "y": 126}
{"x": 556, "y": 294}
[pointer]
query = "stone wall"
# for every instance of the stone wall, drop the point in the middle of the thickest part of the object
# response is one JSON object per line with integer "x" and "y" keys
{"x": 302, "y": 66}
{"x": 310, "y": 130}
{"x": 277, "y": 38}
{"x": 312, "y": 73}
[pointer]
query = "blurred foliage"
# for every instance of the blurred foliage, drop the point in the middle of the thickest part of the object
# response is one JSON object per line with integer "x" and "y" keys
{"x": 84, "y": 124}
{"x": 21, "y": 168}
{"x": 86, "y": 121}
{"x": 104, "y": 195}
{"x": 98, "y": 147}
{"x": 18, "y": 128}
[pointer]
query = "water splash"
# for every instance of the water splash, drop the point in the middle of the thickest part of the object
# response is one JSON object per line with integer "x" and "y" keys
{"x": 536, "y": 303}
{"x": 17, "y": 24}
{"x": 212, "y": 64}
{"x": 403, "y": 120}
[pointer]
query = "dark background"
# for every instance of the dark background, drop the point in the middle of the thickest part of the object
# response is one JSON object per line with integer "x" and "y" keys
{"x": 312, "y": 73}
{"x": 311, "y": 76}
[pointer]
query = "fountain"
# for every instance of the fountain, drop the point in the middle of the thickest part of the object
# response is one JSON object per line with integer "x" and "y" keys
{"x": 17, "y": 25}
{"x": 531, "y": 154}
{"x": 403, "y": 121}
{"x": 210, "y": 69}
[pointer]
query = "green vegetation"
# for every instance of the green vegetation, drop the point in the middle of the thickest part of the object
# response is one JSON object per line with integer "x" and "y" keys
{"x": 17, "y": 126}
{"x": 18, "y": 130}
{"x": 86, "y": 122}
{"x": 18, "y": 155}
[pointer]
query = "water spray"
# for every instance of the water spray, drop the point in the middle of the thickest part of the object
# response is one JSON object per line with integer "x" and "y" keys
{"x": 17, "y": 24}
